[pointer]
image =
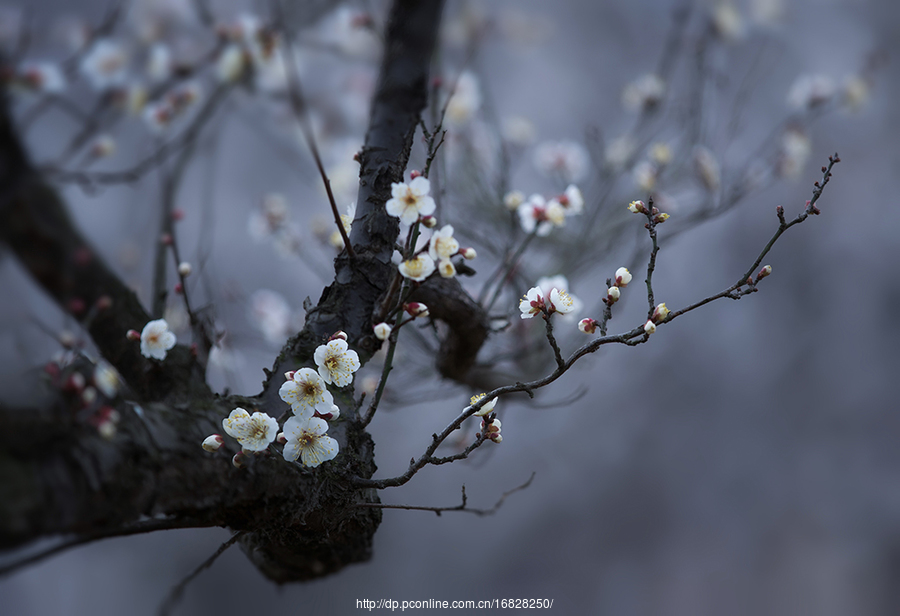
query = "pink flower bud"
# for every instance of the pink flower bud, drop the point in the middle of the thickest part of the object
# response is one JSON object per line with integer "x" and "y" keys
{"x": 415, "y": 309}
{"x": 467, "y": 253}
{"x": 414, "y": 174}
{"x": 765, "y": 271}
{"x": 177, "y": 214}
{"x": 239, "y": 459}
{"x": 338, "y": 335}
{"x": 179, "y": 288}
{"x": 133, "y": 335}
{"x": 612, "y": 295}
{"x": 429, "y": 222}
{"x": 166, "y": 238}
{"x": 587, "y": 326}
{"x": 289, "y": 375}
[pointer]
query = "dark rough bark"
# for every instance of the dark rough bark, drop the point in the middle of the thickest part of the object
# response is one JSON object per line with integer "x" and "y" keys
{"x": 57, "y": 475}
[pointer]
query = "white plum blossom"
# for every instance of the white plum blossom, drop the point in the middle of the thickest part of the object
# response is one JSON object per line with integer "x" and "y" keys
{"x": 565, "y": 159}
{"x": 810, "y": 91}
{"x": 533, "y": 216}
{"x": 548, "y": 284}
{"x": 410, "y": 201}
{"x": 612, "y": 295}
{"x": 306, "y": 439}
{"x": 649, "y": 327}
{"x": 156, "y": 339}
{"x": 253, "y": 432}
{"x": 561, "y": 302}
{"x": 465, "y": 100}
{"x": 305, "y": 391}
{"x": 108, "y": 381}
{"x": 417, "y": 269}
{"x": 518, "y": 130}
{"x": 793, "y": 154}
{"x": 446, "y": 268}
{"x": 484, "y": 410}
{"x": 336, "y": 362}
{"x": 43, "y": 77}
{"x": 270, "y": 313}
{"x": 443, "y": 245}
{"x": 532, "y": 303}
{"x": 513, "y": 199}
{"x": 105, "y": 65}
{"x": 572, "y": 200}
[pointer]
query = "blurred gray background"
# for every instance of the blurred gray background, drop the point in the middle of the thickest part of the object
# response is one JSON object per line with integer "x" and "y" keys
{"x": 745, "y": 461}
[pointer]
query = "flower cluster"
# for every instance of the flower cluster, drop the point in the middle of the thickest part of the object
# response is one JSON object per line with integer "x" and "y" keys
{"x": 539, "y": 216}
{"x": 536, "y": 301}
{"x": 304, "y": 435}
{"x": 411, "y": 204}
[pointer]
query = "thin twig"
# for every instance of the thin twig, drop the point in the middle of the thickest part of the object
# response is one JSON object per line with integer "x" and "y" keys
{"x": 175, "y": 594}
{"x": 460, "y": 507}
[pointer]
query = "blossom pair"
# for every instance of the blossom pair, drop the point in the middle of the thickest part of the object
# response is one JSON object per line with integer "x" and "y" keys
{"x": 539, "y": 216}
{"x": 303, "y": 437}
{"x": 535, "y": 302}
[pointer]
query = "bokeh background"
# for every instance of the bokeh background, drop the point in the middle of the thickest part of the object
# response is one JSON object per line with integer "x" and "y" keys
{"x": 746, "y": 461}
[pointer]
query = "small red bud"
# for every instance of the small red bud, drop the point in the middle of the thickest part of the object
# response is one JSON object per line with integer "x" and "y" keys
{"x": 166, "y": 238}
{"x": 179, "y": 288}
{"x": 414, "y": 174}
{"x": 177, "y": 214}
{"x": 133, "y": 334}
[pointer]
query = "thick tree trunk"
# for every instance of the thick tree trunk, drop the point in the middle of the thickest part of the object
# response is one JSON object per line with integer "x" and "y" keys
{"x": 58, "y": 475}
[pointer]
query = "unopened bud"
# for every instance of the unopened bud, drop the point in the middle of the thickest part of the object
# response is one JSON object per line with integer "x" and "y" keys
{"x": 239, "y": 459}
{"x": 289, "y": 375}
{"x": 177, "y": 214}
{"x": 623, "y": 277}
{"x": 382, "y": 331}
{"x": 468, "y": 253}
{"x": 660, "y": 313}
{"x": 133, "y": 334}
{"x": 430, "y": 222}
{"x": 338, "y": 335}
{"x": 179, "y": 288}
{"x": 660, "y": 218}
{"x": 184, "y": 269}
{"x": 212, "y": 442}
{"x": 765, "y": 271}
{"x": 612, "y": 295}
{"x": 637, "y": 207}
{"x": 414, "y": 174}
{"x": 587, "y": 326}
{"x": 331, "y": 415}
{"x": 281, "y": 439}
{"x": 649, "y": 327}
{"x": 75, "y": 383}
{"x": 166, "y": 238}
{"x": 415, "y": 309}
